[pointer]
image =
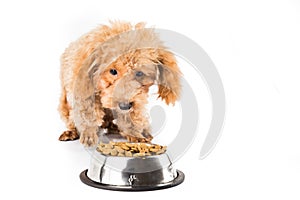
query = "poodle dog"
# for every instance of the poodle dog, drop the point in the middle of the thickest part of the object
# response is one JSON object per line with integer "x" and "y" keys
{"x": 105, "y": 79}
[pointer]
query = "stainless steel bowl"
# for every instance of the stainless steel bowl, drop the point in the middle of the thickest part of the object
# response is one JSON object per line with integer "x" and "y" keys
{"x": 131, "y": 173}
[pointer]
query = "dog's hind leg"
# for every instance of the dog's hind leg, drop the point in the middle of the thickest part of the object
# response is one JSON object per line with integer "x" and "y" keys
{"x": 65, "y": 113}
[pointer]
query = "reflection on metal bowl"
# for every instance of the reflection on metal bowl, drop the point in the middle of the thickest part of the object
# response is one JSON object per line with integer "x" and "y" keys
{"x": 131, "y": 173}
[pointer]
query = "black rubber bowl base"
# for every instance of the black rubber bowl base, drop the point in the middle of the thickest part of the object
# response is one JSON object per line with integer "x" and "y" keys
{"x": 86, "y": 180}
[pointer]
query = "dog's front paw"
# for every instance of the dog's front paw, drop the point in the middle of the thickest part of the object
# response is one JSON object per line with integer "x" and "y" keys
{"x": 147, "y": 135}
{"x": 138, "y": 139}
{"x": 133, "y": 135}
{"x": 89, "y": 139}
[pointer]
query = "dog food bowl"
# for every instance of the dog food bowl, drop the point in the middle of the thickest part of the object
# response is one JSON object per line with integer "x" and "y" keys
{"x": 131, "y": 173}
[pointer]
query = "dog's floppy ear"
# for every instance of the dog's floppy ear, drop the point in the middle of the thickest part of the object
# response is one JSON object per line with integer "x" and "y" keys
{"x": 84, "y": 86}
{"x": 94, "y": 69}
{"x": 86, "y": 95}
{"x": 168, "y": 78}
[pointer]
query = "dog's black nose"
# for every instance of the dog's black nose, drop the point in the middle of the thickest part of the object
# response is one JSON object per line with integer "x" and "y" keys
{"x": 125, "y": 106}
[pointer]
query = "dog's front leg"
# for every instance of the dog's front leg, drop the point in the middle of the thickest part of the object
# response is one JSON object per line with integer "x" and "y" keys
{"x": 134, "y": 128}
{"x": 87, "y": 120}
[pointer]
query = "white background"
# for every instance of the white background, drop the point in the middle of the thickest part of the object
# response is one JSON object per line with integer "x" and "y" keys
{"x": 255, "y": 46}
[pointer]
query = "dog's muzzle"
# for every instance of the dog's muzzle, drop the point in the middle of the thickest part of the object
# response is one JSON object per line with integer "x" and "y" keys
{"x": 125, "y": 106}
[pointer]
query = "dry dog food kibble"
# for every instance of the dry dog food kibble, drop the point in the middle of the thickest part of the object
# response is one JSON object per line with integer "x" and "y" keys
{"x": 130, "y": 149}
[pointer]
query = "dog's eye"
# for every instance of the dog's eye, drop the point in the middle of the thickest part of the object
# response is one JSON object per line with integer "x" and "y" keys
{"x": 139, "y": 74}
{"x": 113, "y": 72}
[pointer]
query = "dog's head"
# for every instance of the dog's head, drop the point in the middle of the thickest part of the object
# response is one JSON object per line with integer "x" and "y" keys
{"x": 124, "y": 83}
